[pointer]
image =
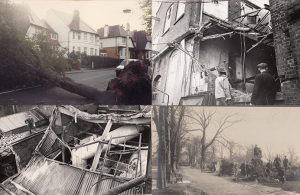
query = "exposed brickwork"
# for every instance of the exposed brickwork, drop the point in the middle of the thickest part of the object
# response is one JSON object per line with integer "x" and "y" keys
{"x": 234, "y": 7}
{"x": 287, "y": 48}
{"x": 112, "y": 52}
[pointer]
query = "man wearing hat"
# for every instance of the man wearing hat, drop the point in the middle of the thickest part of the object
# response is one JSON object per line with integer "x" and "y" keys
{"x": 264, "y": 90}
{"x": 222, "y": 88}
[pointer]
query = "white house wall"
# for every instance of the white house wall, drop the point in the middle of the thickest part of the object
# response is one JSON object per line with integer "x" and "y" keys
{"x": 65, "y": 36}
{"x": 219, "y": 10}
{"x": 58, "y": 26}
{"x": 174, "y": 68}
{"x": 115, "y": 42}
{"x": 32, "y": 30}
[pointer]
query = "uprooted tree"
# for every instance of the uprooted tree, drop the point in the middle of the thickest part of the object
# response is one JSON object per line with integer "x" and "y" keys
{"x": 203, "y": 121}
{"x": 34, "y": 62}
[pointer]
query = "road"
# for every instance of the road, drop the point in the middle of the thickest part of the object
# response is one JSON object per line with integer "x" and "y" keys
{"x": 55, "y": 95}
{"x": 197, "y": 182}
{"x": 215, "y": 185}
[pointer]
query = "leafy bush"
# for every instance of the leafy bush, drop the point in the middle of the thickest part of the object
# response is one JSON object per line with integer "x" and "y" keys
{"x": 19, "y": 56}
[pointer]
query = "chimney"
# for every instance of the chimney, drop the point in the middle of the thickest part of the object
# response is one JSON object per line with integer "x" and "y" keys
{"x": 106, "y": 28}
{"x": 76, "y": 20}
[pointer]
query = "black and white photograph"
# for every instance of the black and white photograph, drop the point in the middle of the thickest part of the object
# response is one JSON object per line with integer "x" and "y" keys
{"x": 86, "y": 149}
{"x": 216, "y": 150}
{"x": 75, "y": 52}
{"x": 225, "y": 52}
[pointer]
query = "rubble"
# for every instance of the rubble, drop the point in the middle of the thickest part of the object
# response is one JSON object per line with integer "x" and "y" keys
{"x": 70, "y": 159}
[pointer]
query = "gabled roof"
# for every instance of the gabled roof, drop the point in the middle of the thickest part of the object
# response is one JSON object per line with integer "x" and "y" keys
{"x": 34, "y": 20}
{"x": 68, "y": 18}
{"x": 49, "y": 28}
{"x": 113, "y": 31}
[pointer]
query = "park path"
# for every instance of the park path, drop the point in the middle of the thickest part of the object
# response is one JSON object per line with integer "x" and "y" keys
{"x": 215, "y": 185}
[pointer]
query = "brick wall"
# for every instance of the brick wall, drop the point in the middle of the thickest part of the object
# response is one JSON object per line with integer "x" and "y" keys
{"x": 234, "y": 9}
{"x": 287, "y": 49}
{"x": 112, "y": 52}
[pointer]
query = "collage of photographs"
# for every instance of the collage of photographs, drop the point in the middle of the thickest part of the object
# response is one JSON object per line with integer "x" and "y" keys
{"x": 162, "y": 97}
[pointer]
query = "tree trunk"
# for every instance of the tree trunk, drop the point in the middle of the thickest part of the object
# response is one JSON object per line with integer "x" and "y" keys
{"x": 203, "y": 158}
{"x": 99, "y": 97}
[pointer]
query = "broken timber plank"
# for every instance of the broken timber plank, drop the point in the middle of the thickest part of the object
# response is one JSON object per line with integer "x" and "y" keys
{"x": 100, "y": 146}
{"x": 216, "y": 36}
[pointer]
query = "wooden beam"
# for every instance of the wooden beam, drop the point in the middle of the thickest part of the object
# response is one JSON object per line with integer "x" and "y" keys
{"x": 255, "y": 45}
{"x": 216, "y": 36}
{"x": 100, "y": 146}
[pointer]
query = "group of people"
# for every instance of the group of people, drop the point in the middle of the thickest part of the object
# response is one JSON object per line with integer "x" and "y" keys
{"x": 264, "y": 90}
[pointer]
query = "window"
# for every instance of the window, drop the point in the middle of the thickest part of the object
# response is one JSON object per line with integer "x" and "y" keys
{"x": 123, "y": 40}
{"x": 95, "y": 52}
{"x": 79, "y": 49}
{"x": 85, "y": 36}
{"x": 74, "y": 35}
{"x": 168, "y": 19}
{"x": 79, "y": 35}
{"x": 92, "y": 38}
{"x": 101, "y": 45}
{"x": 92, "y": 51}
{"x": 85, "y": 50}
{"x": 180, "y": 10}
{"x": 121, "y": 53}
{"x": 73, "y": 48}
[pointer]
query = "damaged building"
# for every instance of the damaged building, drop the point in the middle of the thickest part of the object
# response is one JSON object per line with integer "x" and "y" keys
{"x": 81, "y": 153}
{"x": 192, "y": 40}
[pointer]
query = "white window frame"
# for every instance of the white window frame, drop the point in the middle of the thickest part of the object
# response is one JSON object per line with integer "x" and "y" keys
{"x": 180, "y": 10}
{"x": 168, "y": 19}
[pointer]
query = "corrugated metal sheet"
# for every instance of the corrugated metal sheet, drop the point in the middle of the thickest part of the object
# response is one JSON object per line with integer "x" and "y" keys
{"x": 49, "y": 144}
{"x": 47, "y": 177}
{"x": 15, "y": 121}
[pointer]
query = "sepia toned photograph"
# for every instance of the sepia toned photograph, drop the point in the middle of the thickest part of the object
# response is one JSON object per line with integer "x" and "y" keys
{"x": 216, "y": 150}
{"x": 75, "y": 52}
{"x": 225, "y": 52}
{"x": 86, "y": 149}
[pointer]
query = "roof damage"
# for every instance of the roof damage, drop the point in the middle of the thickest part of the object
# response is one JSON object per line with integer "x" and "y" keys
{"x": 82, "y": 153}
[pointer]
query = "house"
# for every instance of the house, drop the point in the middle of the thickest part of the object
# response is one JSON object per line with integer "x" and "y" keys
{"x": 113, "y": 42}
{"x": 27, "y": 21}
{"x": 285, "y": 20}
{"x": 192, "y": 40}
{"x": 142, "y": 43}
{"x": 73, "y": 33}
{"x": 51, "y": 33}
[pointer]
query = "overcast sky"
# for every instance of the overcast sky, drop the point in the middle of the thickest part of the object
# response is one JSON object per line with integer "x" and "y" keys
{"x": 95, "y": 13}
{"x": 273, "y": 128}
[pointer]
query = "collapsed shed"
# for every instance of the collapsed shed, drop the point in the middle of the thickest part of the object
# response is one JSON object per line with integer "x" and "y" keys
{"x": 82, "y": 153}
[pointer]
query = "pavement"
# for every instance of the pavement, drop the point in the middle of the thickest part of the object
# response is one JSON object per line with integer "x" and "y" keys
{"x": 197, "y": 182}
{"x": 215, "y": 185}
{"x": 54, "y": 95}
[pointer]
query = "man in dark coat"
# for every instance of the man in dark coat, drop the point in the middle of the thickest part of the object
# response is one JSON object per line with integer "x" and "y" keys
{"x": 264, "y": 87}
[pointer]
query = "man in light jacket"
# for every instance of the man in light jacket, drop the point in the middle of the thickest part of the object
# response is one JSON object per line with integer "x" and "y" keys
{"x": 222, "y": 88}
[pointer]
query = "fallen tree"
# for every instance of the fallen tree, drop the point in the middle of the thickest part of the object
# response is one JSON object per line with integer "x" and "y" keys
{"x": 21, "y": 65}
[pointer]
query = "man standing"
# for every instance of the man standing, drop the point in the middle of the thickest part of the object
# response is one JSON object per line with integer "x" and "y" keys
{"x": 222, "y": 88}
{"x": 264, "y": 87}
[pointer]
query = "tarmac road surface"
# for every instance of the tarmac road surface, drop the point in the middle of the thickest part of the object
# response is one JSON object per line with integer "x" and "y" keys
{"x": 55, "y": 95}
{"x": 215, "y": 185}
